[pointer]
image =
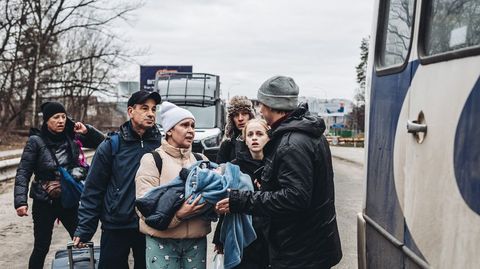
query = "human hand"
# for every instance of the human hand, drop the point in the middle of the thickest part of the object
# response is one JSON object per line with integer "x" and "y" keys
{"x": 223, "y": 206}
{"x": 80, "y": 128}
{"x": 188, "y": 209}
{"x": 218, "y": 248}
{"x": 257, "y": 183}
{"x": 22, "y": 211}
{"x": 77, "y": 243}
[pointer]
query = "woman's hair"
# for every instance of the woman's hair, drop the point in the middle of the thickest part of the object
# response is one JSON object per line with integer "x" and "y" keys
{"x": 262, "y": 122}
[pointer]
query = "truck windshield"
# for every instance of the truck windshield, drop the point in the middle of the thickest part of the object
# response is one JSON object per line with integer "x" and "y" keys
{"x": 204, "y": 116}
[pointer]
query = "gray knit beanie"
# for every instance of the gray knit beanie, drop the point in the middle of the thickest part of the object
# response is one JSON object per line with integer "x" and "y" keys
{"x": 279, "y": 92}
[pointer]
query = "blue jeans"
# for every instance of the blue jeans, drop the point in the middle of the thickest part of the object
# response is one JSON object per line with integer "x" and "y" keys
{"x": 162, "y": 253}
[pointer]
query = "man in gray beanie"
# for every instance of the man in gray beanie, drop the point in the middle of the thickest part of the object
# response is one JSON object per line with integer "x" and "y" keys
{"x": 296, "y": 200}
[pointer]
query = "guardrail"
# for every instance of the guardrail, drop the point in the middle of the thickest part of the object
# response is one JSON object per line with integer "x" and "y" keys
{"x": 337, "y": 140}
{"x": 8, "y": 166}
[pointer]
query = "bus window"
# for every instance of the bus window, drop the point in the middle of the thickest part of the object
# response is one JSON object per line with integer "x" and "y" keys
{"x": 451, "y": 25}
{"x": 395, "y": 33}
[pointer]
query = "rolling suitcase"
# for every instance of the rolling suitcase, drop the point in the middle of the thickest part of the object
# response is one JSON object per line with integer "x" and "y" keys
{"x": 73, "y": 258}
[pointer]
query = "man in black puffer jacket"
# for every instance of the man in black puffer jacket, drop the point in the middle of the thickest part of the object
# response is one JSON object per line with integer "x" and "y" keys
{"x": 297, "y": 200}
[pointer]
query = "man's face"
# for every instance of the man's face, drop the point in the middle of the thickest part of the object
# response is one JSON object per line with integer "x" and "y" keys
{"x": 267, "y": 113}
{"x": 240, "y": 119}
{"x": 182, "y": 134}
{"x": 56, "y": 123}
{"x": 143, "y": 115}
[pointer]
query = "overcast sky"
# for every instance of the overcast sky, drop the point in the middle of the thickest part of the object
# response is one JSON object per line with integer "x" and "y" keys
{"x": 246, "y": 42}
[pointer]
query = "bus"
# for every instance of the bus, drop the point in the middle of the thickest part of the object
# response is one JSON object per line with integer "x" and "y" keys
{"x": 422, "y": 171}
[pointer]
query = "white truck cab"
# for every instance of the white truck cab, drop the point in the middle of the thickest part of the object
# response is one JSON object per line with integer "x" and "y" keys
{"x": 200, "y": 94}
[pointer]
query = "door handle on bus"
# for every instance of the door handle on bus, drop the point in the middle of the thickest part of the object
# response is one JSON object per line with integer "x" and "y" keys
{"x": 414, "y": 127}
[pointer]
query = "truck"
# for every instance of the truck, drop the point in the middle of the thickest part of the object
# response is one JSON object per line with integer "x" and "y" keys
{"x": 200, "y": 94}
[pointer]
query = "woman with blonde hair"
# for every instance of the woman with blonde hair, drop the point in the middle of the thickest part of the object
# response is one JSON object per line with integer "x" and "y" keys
{"x": 255, "y": 136}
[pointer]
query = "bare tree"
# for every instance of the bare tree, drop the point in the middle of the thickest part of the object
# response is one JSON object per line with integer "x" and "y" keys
{"x": 57, "y": 48}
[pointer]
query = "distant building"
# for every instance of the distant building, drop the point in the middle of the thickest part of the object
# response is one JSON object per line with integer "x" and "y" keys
{"x": 333, "y": 111}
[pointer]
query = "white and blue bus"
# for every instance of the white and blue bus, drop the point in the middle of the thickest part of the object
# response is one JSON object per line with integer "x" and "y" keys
{"x": 422, "y": 188}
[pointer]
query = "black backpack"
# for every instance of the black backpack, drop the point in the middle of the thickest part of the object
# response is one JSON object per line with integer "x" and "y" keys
{"x": 159, "y": 162}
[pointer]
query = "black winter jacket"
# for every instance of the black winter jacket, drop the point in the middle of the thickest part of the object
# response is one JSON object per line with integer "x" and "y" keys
{"x": 36, "y": 159}
{"x": 109, "y": 193}
{"x": 297, "y": 202}
{"x": 255, "y": 255}
{"x": 230, "y": 148}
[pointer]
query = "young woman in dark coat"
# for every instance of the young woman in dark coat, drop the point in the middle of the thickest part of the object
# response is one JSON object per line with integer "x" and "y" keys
{"x": 61, "y": 137}
{"x": 250, "y": 161}
{"x": 240, "y": 110}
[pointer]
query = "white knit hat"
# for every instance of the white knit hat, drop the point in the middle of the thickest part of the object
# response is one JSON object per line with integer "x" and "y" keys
{"x": 170, "y": 115}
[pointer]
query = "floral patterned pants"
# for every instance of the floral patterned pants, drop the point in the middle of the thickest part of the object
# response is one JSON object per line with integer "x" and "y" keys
{"x": 163, "y": 253}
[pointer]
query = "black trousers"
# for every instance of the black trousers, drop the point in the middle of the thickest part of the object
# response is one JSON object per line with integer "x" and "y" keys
{"x": 44, "y": 215}
{"x": 115, "y": 247}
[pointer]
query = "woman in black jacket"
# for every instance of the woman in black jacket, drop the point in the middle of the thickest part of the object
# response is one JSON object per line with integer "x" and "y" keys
{"x": 58, "y": 141}
{"x": 240, "y": 110}
{"x": 250, "y": 161}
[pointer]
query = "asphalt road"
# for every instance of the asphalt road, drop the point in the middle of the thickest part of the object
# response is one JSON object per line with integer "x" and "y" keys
{"x": 16, "y": 234}
{"x": 348, "y": 199}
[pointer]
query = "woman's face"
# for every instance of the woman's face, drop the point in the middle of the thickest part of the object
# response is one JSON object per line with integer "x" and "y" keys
{"x": 240, "y": 119}
{"x": 182, "y": 134}
{"x": 256, "y": 137}
{"x": 56, "y": 123}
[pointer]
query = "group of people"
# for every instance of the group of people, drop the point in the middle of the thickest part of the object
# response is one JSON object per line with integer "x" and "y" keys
{"x": 285, "y": 154}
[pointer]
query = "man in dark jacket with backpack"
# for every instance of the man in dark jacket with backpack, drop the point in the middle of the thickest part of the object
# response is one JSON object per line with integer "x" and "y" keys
{"x": 296, "y": 200}
{"x": 109, "y": 193}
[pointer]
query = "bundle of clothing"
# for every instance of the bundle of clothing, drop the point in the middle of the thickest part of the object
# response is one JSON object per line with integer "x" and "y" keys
{"x": 212, "y": 182}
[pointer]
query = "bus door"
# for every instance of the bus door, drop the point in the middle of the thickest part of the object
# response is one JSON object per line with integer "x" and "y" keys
{"x": 390, "y": 81}
{"x": 438, "y": 138}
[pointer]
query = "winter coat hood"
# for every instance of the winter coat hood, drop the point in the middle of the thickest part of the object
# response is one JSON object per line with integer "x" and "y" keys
{"x": 300, "y": 120}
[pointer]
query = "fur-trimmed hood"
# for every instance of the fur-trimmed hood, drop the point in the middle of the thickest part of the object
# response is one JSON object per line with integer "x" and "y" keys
{"x": 237, "y": 104}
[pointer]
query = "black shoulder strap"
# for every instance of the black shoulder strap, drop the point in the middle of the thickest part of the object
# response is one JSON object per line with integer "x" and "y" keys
{"x": 49, "y": 150}
{"x": 158, "y": 161}
{"x": 198, "y": 156}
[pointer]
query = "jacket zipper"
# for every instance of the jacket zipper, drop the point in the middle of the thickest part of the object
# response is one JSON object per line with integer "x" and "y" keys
{"x": 141, "y": 142}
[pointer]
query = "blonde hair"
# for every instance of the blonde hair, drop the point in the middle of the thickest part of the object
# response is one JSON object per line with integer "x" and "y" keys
{"x": 262, "y": 122}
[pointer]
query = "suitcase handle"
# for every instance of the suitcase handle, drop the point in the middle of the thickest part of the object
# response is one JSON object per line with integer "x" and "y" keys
{"x": 72, "y": 261}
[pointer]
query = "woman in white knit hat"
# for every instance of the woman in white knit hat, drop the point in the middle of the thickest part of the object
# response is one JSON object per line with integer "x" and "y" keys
{"x": 183, "y": 243}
